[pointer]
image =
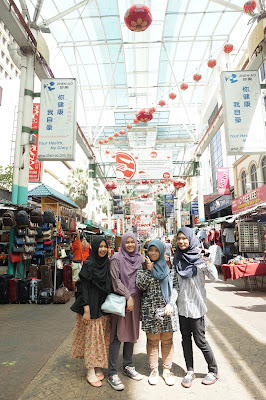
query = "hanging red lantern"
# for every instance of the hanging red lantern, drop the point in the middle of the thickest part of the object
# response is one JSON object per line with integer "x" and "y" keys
{"x": 145, "y": 182}
{"x": 100, "y": 142}
{"x": 161, "y": 103}
{"x": 197, "y": 77}
{"x": 110, "y": 138}
{"x": 144, "y": 195}
{"x": 183, "y": 86}
{"x": 116, "y": 134}
{"x": 152, "y": 109}
{"x": 105, "y": 141}
{"x": 172, "y": 96}
{"x": 107, "y": 151}
{"x": 152, "y": 181}
{"x": 129, "y": 126}
{"x": 211, "y": 63}
{"x": 122, "y": 132}
{"x": 138, "y": 18}
{"x": 228, "y": 48}
{"x": 159, "y": 216}
{"x": 136, "y": 157}
{"x": 136, "y": 121}
{"x": 127, "y": 216}
{"x": 162, "y": 181}
{"x": 110, "y": 185}
{"x": 179, "y": 183}
{"x": 113, "y": 155}
{"x": 137, "y": 182}
{"x": 249, "y": 7}
{"x": 144, "y": 115}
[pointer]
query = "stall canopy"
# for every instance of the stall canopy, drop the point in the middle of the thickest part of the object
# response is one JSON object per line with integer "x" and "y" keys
{"x": 43, "y": 190}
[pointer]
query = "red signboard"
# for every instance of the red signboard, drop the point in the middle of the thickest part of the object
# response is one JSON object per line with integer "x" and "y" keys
{"x": 249, "y": 200}
{"x": 223, "y": 181}
{"x": 35, "y": 165}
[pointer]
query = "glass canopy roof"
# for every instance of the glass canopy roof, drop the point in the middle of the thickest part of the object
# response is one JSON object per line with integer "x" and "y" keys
{"x": 119, "y": 71}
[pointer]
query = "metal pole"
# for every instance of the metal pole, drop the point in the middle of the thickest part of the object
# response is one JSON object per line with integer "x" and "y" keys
{"x": 56, "y": 246}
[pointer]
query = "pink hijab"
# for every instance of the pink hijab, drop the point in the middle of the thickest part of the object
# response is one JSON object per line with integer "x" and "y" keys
{"x": 129, "y": 263}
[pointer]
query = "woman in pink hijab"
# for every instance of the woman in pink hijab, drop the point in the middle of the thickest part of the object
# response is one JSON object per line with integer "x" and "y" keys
{"x": 123, "y": 268}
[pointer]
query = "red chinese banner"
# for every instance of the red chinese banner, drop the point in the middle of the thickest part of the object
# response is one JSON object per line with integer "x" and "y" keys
{"x": 223, "y": 181}
{"x": 35, "y": 165}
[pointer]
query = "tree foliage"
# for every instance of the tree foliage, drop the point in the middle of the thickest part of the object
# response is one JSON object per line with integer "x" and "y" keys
{"x": 6, "y": 177}
{"x": 77, "y": 185}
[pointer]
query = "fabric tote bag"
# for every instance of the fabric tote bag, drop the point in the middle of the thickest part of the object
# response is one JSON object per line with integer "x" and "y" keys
{"x": 114, "y": 304}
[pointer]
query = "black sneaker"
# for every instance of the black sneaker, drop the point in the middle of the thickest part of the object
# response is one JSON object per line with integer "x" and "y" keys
{"x": 115, "y": 382}
{"x": 188, "y": 379}
{"x": 132, "y": 373}
{"x": 210, "y": 378}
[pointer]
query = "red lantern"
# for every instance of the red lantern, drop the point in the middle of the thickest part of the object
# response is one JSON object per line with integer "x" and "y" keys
{"x": 162, "y": 181}
{"x": 110, "y": 185}
{"x": 152, "y": 109}
{"x": 138, "y": 18}
{"x": 183, "y": 86}
{"x": 228, "y": 48}
{"x": 179, "y": 183}
{"x": 107, "y": 151}
{"x": 122, "y": 132}
{"x": 105, "y": 141}
{"x": 144, "y": 195}
{"x": 136, "y": 157}
{"x": 113, "y": 155}
{"x": 137, "y": 182}
{"x": 172, "y": 96}
{"x": 161, "y": 103}
{"x": 127, "y": 216}
{"x": 144, "y": 115}
{"x": 116, "y": 134}
{"x": 211, "y": 63}
{"x": 249, "y": 7}
{"x": 129, "y": 126}
{"x": 136, "y": 121}
{"x": 100, "y": 142}
{"x": 197, "y": 77}
{"x": 152, "y": 181}
{"x": 127, "y": 180}
{"x": 145, "y": 182}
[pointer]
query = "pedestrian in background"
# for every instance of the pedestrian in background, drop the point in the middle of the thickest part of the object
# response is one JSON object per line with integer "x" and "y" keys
{"x": 86, "y": 247}
{"x": 191, "y": 268}
{"x": 159, "y": 314}
{"x": 124, "y": 266}
{"x": 76, "y": 264}
{"x": 216, "y": 255}
{"x": 91, "y": 338}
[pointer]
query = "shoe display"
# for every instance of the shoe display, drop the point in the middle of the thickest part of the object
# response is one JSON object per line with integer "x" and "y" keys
{"x": 188, "y": 379}
{"x": 153, "y": 378}
{"x": 210, "y": 378}
{"x": 169, "y": 378}
{"x": 132, "y": 373}
{"x": 115, "y": 382}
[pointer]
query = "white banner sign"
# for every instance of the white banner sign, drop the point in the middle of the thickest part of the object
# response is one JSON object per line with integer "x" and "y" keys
{"x": 156, "y": 164}
{"x": 142, "y": 207}
{"x": 243, "y": 115}
{"x": 57, "y": 126}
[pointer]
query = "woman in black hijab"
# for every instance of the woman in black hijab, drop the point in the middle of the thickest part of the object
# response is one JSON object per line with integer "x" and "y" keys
{"x": 191, "y": 270}
{"x": 91, "y": 337}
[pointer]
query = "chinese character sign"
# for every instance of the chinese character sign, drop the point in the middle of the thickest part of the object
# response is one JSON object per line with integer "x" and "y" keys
{"x": 57, "y": 130}
{"x": 169, "y": 207}
{"x": 243, "y": 113}
{"x": 223, "y": 183}
{"x": 35, "y": 167}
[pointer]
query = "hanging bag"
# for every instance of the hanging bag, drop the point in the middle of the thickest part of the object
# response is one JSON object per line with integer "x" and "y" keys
{"x": 15, "y": 257}
{"x": 114, "y": 304}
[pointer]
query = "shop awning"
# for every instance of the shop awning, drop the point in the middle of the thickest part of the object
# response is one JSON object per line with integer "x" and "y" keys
{"x": 249, "y": 211}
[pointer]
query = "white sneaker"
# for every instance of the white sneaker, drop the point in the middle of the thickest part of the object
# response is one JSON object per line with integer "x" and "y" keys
{"x": 153, "y": 378}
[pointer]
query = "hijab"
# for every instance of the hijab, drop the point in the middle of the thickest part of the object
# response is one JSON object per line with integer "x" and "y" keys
{"x": 161, "y": 271}
{"x": 97, "y": 268}
{"x": 129, "y": 263}
{"x": 186, "y": 261}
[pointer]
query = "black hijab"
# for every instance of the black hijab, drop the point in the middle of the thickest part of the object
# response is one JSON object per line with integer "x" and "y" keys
{"x": 96, "y": 268}
{"x": 186, "y": 261}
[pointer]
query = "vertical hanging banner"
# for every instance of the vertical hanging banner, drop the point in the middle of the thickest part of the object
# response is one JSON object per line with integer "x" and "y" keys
{"x": 243, "y": 112}
{"x": 169, "y": 207}
{"x": 223, "y": 182}
{"x": 118, "y": 205}
{"x": 57, "y": 128}
{"x": 35, "y": 167}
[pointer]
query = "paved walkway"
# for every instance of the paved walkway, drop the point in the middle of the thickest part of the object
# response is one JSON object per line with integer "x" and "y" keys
{"x": 237, "y": 334}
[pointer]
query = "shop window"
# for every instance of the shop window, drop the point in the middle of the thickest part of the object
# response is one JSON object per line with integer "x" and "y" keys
{"x": 253, "y": 177}
{"x": 244, "y": 182}
{"x": 263, "y": 169}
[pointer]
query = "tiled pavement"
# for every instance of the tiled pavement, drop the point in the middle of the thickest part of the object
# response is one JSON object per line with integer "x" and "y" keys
{"x": 237, "y": 334}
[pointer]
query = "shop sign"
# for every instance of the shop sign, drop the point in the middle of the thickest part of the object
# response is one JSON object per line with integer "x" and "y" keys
{"x": 148, "y": 165}
{"x": 169, "y": 206}
{"x": 223, "y": 182}
{"x": 35, "y": 166}
{"x": 249, "y": 200}
{"x": 57, "y": 128}
{"x": 220, "y": 204}
{"x": 185, "y": 218}
{"x": 194, "y": 207}
{"x": 118, "y": 205}
{"x": 243, "y": 112}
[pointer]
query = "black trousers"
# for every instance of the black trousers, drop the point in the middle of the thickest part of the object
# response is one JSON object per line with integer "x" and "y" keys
{"x": 114, "y": 352}
{"x": 196, "y": 327}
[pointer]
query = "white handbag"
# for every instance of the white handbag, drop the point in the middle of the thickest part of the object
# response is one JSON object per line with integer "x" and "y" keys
{"x": 114, "y": 304}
